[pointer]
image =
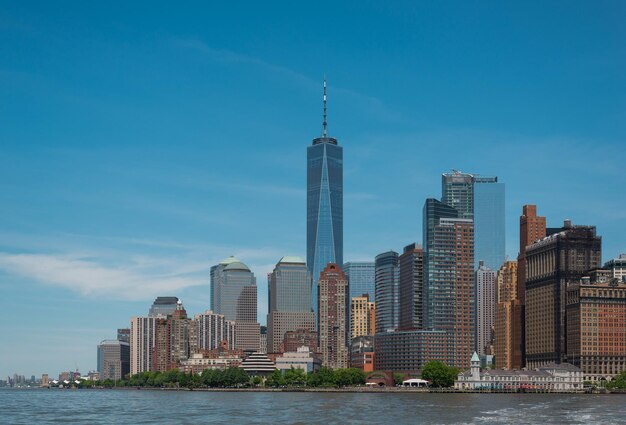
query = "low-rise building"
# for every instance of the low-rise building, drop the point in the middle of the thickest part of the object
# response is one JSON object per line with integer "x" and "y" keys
{"x": 258, "y": 364}
{"x": 362, "y": 353}
{"x": 219, "y": 358}
{"x": 552, "y": 377}
{"x": 303, "y": 358}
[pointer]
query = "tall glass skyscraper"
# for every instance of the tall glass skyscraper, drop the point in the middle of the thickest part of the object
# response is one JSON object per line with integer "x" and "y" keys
{"x": 489, "y": 232}
{"x": 482, "y": 200}
{"x": 360, "y": 276}
{"x": 387, "y": 276}
{"x": 324, "y": 212}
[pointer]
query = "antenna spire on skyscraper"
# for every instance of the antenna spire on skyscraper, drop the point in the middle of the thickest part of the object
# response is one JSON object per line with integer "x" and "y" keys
{"x": 324, "y": 123}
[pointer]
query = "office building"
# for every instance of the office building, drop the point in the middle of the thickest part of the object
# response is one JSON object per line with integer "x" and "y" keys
{"x": 489, "y": 222}
{"x": 333, "y": 317}
{"x": 123, "y": 334}
{"x": 113, "y": 359}
{"x": 386, "y": 277}
{"x": 485, "y": 281}
{"x": 289, "y": 300}
{"x": 362, "y": 316}
{"x": 553, "y": 264}
{"x": 324, "y": 217}
{"x": 234, "y": 289}
{"x": 361, "y": 278}
{"x": 410, "y": 288}
{"x": 163, "y": 306}
{"x": 596, "y": 325}
{"x": 457, "y": 191}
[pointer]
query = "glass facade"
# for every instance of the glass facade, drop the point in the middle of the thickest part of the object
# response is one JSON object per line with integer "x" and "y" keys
{"x": 324, "y": 208}
{"x": 489, "y": 231}
{"x": 457, "y": 191}
{"x": 290, "y": 286}
{"x": 361, "y": 278}
{"x": 387, "y": 276}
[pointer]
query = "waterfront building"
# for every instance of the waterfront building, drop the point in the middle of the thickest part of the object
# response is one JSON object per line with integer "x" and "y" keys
{"x": 289, "y": 300}
{"x": 45, "y": 381}
{"x": 361, "y": 278}
{"x": 410, "y": 288}
{"x": 485, "y": 281}
{"x": 208, "y": 330}
{"x": 258, "y": 364}
{"x": 409, "y": 351}
{"x": 324, "y": 217}
{"x": 552, "y": 265}
{"x": 233, "y": 287}
{"x": 221, "y": 358}
{"x": 303, "y": 358}
{"x": 617, "y": 266}
{"x": 333, "y": 316}
{"x": 362, "y": 353}
{"x": 551, "y": 377}
{"x": 298, "y": 338}
{"x": 386, "y": 278}
{"x": 452, "y": 278}
{"x": 596, "y": 325}
{"x": 113, "y": 359}
{"x": 433, "y": 211}
{"x": 163, "y": 306}
{"x": 142, "y": 341}
{"x": 362, "y": 316}
{"x": 508, "y": 353}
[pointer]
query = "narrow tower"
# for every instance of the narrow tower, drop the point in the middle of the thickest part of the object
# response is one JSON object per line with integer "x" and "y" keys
{"x": 324, "y": 239}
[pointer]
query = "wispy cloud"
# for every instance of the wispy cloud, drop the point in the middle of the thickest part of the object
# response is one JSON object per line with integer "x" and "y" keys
{"x": 137, "y": 279}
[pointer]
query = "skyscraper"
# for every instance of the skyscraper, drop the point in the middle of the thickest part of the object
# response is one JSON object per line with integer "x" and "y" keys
{"x": 142, "y": 341}
{"x": 362, "y": 316}
{"x": 113, "y": 359}
{"x": 531, "y": 228}
{"x": 553, "y": 264}
{"x": 434, "y": 210}
{"x": 482, "y": 200}
{"x": 333, "y": 317}
{"x": 324, "y": 204}
{"x": 507, "y": 347}
{"x": 289, "y": 301}
{"x": 210, "y": 330}
{"x": 233, "y": 287}
{"x": 163, "y": 306}
{"x": 485, "y": 281}
{"x": 361, "y": 279}
{"x": 387, "y": 274}
{"x": 452, "y": 282}
{"x": 489, "y": 223}
{"x": 410, "y": 288}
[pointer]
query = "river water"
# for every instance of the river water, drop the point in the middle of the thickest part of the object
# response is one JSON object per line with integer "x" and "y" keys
{"x": 200, "y": 407}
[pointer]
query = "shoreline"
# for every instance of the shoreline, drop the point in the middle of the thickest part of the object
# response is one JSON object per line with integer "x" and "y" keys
{"x": 352, "y": 390}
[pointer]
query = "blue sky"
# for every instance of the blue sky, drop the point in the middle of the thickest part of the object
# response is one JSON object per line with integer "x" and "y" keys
{"x": 141, "y": 144}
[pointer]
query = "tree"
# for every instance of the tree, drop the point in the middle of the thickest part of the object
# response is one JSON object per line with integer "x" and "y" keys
{"x": 617, "y": 383}
{"x": 276, "y": 379}
{"x": 295, "y": 377}
{"x": 439, "y": 374}
{"x": 398, "y": 378}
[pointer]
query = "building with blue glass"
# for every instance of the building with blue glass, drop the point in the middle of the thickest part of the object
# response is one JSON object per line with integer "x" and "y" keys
{"x": 324, "y": 239}
{"x": 360, "y": 276}
{"x": 489, "y": 231}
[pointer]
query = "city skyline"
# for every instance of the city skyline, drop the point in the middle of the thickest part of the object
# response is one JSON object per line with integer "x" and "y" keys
{"x": 119, "y": 191}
